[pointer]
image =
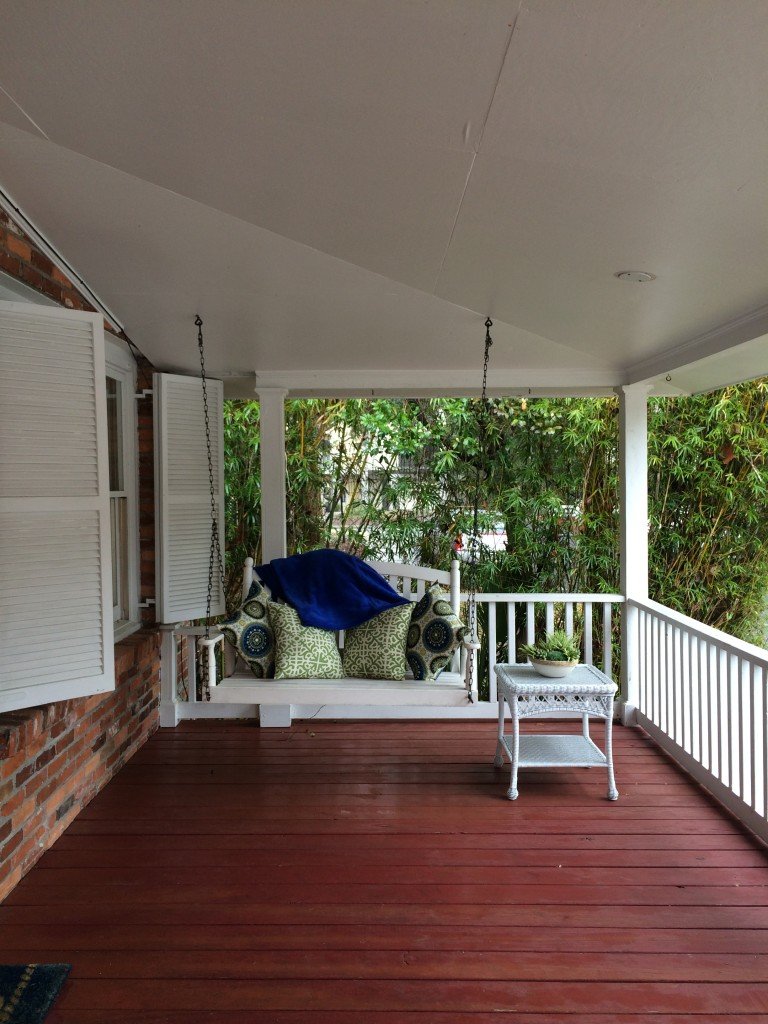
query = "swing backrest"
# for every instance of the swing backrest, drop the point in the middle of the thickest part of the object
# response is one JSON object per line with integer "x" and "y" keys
{"x": 409, "y": 580}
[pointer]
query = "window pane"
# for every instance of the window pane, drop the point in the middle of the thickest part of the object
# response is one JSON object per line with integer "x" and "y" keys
{"x": 114, "y": 431}
{"x": 118, "y": 508}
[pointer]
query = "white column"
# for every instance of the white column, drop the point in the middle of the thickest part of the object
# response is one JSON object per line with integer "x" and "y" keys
{"x": 633, "y": 499}
{"x": 272, "y": 421}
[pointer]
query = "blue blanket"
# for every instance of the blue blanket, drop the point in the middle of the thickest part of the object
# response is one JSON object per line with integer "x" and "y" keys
{"x": 329, "y": 588}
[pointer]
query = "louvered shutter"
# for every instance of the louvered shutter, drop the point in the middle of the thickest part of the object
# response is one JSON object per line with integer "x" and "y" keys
{"x": 182, "y": 495}
{"x": 56, "y": 632}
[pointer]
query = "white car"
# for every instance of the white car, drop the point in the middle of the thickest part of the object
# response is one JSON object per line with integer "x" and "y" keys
{"x": 490, "y": 540}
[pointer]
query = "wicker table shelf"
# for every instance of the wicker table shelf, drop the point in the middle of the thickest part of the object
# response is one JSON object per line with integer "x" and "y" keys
{"x": 587, "y": 691}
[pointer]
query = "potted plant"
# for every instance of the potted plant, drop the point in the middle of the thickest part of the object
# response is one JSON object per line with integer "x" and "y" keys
{"x": 554, "y": 656}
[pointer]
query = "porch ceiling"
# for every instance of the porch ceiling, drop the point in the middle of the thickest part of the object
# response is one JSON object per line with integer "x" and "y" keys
{"x": 347, "y": 187}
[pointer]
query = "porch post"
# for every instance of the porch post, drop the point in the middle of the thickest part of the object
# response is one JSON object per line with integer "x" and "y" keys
{"x": 272, "y": 421}
{"x": 633, "y": 497}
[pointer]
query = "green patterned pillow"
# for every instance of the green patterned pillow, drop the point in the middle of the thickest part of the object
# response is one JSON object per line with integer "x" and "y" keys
{"x": 376, "y": 649}
{"x": 258, "y": 599}
{"x": 250, "y": 633}
{"x": 434, "y": 634}
{"x": 302, "y": 652}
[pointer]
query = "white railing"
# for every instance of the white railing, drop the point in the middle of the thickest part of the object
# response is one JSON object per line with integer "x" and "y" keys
{"x": 701, "y": 695}
{"x": 532, "y": 615}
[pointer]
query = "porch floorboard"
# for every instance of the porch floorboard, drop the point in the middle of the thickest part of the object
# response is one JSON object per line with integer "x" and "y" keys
{"x": 341, "y": 872}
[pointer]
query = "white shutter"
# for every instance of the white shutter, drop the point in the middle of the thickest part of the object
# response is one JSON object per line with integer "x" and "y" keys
{"x": 56, "y": 639}
{"x": 183, "y": 497}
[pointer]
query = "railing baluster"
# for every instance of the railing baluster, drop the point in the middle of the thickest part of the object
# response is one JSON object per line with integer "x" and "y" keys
{"x": 588, "y": 633}
{"x": 699, "y": 703}
{"x": 690, "y": 692}
{"x": 569, "y": 618}
{"x": 607, "y": 646}
{"x": 711, "y": 708}
{"x": 656, "y": 708}
{"x": 530, "y": 623}
{"x": 674, "y": 669}
{"x": 721, "y": 705}
{"x": 754, "y": 711}
{"x": 740, "y": 726}
{"x": 492, "y": 651}
{"x": 665, "y": 716}
{"x": 729, "y": 718}
{"x": 643, "y": 644}
{"x": 549, "y": 617}
{"x": 192, "y": 669}
{"x": 511, "y": 633}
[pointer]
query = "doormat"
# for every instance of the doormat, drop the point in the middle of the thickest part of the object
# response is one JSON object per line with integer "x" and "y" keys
{"x": 28, "y": 991}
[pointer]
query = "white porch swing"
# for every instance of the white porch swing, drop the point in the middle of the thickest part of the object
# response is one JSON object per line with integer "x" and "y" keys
{"x": 454, "y": 687}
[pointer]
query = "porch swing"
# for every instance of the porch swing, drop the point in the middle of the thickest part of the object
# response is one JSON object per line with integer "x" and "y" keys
{"x": 456, "y": 686}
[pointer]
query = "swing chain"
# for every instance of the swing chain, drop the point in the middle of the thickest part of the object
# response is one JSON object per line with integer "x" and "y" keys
{"x": 475, "y": 539}
{"x": 215, "y": 550}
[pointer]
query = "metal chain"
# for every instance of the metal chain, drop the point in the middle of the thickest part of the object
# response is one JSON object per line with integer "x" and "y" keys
{"x": 215, "y": 551}
{"x": 475, "y": 540}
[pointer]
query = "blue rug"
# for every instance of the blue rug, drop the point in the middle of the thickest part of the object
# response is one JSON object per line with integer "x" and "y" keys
{"x": 28, "y": 991}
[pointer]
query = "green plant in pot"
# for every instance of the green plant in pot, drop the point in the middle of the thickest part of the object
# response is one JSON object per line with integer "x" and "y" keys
{"x": 554, "y": 656}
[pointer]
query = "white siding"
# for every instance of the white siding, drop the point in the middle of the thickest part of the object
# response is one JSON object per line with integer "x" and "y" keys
{"x": 182, "y": 495}
{"x": 56, "y": 639}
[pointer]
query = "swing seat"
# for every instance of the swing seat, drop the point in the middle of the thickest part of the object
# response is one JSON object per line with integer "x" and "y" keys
{"x": 277, "y": 697}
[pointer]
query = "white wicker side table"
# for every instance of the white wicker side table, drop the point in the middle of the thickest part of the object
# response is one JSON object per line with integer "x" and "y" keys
{"x": 586, "y": 690}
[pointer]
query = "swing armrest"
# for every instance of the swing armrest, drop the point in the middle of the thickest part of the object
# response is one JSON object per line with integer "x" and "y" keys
{"x": 209, "y": 643}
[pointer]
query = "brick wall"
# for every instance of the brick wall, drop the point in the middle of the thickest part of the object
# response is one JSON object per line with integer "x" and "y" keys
{"x": 55, "y": 758}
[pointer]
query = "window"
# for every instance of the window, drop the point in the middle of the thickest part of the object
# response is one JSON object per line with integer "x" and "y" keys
{"x": 122, "y": 465}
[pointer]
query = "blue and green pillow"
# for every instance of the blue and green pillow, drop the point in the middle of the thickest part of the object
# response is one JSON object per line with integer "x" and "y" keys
{"x": 250, "y": 633}
{"x": 434, "y": 635}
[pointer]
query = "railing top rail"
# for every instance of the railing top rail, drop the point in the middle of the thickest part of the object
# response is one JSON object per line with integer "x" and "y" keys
{"x": 730, "y": 643}
{"x": 552, "y": 598}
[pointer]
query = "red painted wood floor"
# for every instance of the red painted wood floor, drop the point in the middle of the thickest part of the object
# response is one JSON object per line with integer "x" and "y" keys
{"x": 341, "y": 872}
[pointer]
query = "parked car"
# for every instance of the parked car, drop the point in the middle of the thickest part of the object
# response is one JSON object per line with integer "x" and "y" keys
{"x": 494, "y": 539}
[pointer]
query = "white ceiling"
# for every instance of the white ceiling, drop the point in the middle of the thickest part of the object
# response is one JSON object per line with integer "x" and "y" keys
{"x": 344, "y": 188}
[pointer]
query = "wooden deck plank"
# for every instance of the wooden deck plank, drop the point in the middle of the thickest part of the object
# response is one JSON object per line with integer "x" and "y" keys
{"x": 340, "y": 872}
{"x": 34, "y": 940}
{"x": 201, "y": 913}
{"x": 401, "y": 875}
{"x": 397, "y": 996}
{"x": 414, "y": 965}
{"x": 246, "y": 857}
{"x": 107, "y": 1016}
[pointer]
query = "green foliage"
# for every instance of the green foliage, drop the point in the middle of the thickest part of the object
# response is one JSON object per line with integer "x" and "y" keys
{"x": 556, "y": 646}
{"x": 395, "y": 480}
{"x": 708, "y": 493}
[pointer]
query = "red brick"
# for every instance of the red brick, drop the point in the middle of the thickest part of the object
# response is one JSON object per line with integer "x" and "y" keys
{"x": 57, "y": 275}
{"x": 47, "y": 755}
{"x": 19, "y": 247}
{"x": 26, "y": 772}
{"x": 42, "y": 262}
{"x": 23, "y": 814}
{"x": 53, "y": 290}
{"x": 10, "y": 263}
{"x": 13, "y": 844}
{"x": 32, "y": 277}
